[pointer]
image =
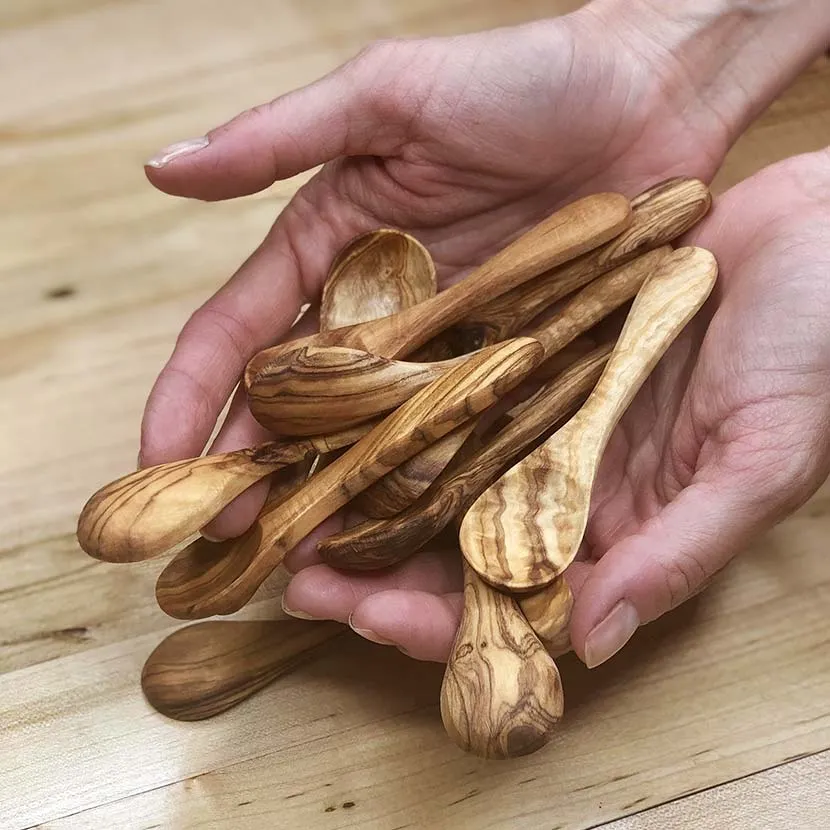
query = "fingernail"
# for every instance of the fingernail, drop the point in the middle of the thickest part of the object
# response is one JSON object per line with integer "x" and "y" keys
{"x": 299, "y": 615}
{"x": 210, "y": 538}
{"x": 606, "y": 638}
{"x": 177, "y": 150}
{"x": 370, "y": 635}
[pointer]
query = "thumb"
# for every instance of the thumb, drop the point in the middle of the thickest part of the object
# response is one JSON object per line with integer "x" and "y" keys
{"x": 354, "y": 110}
{"x": 671, "y": 558}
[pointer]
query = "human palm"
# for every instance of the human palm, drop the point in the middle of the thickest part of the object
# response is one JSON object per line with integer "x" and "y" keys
{"x": 730, "y": 433}
{"x": 464, "y": 141}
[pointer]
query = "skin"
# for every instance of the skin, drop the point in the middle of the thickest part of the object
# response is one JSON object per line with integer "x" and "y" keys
{"x": 466, "y": 142}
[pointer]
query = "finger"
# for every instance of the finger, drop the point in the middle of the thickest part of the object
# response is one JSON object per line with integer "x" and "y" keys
{"x": 421, "y": 624}
{"x": 305, "y": 554}
{"x": 672, "y": 555}
{"x": 350, "y": 111}
{"x": 257, "y": 306}
{"x": 321, "y": 592}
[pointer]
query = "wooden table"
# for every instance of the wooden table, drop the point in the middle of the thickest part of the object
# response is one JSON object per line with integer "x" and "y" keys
{"x": 717, "y": 717}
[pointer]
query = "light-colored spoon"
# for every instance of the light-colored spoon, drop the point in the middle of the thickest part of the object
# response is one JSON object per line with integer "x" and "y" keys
{"x": 325, "y": 388}
{"x": 205, "y": 669}
{"x": 202, "y": 580}
{"x": 549, "y": 613}
{"x": 659, "y": 215}
{"x": 376, "y": 274}
{"x": 501, "y": 696}
{"x": 523, "y": 531}
{"x": 573, "y": 230}
{"x": 150, "y": 511}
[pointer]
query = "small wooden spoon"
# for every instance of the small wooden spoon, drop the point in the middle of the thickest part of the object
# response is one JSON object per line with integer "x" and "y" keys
{"x": 203, "y": 580}
{"x": 526, "y": 529}
{"x": 148, "y": 512}
{"x": 326, "y": 388}
{"x": 573, "y": 230}
{"x": 549, "y": 613}
{"x": 501, "y": 696}
{"x": 659, "y": 215}
{"x": 386, "y": 542}
{"x": 376, "y": 274}
{"x": 205, "y": 669}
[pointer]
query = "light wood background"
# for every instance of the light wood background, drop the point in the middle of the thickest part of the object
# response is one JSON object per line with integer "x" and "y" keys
{"x": 97, "y": 274}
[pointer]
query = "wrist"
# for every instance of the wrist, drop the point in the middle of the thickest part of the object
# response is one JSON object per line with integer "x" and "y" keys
{"x": 729, "y": 59}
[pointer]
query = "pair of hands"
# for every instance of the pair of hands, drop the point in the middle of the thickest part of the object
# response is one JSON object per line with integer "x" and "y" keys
{"x": 466, "y": 142}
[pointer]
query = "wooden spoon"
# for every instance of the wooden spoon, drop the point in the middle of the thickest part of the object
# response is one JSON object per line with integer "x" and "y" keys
{"x": 385, "y": 542}
{"x": 326, "y": 388}
{"x": 501, "y": 696}
{"x": 526, "y": 529}
{"x": 659, "y": 215}
{"x": 202, "y": 581}
{"x": 549, "y": 614}
{"x": 575, "y": 229}
{"x": 204, "y": 669}
{"x": 376, "y": 274}
{"x": 148, "y": 512}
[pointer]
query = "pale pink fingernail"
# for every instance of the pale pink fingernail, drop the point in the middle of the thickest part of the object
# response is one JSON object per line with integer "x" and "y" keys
{"x": 292, "y": 612}
{"x": 210, "y": 538}
{"x": 607, "y": 637}
{"x": 370, "y": 635}
{"x": 177, "y": 150}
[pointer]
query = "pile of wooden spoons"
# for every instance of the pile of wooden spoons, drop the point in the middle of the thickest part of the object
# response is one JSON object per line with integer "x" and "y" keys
{"x": 485, "y": 408}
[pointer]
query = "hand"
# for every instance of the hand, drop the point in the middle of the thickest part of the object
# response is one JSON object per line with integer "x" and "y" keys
{"x": 729, "y": 435}
{"x": 463, "y": 141}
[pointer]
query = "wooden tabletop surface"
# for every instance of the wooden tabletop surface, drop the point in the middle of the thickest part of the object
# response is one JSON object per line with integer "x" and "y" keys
{"x": 716, "y": 717}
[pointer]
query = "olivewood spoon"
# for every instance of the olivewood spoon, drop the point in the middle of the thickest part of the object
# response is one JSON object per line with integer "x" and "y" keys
{"x": 148, "y": 512}
{"x": 376, "y": 274}
{"x": 659, "y": 215}
{"x": 573, "y": 230}
{"x": 205, "y": 580}
{"x": 330, "y": 387}
{"x": 385, "y": 542}
{"x": 205, "y": 669}
{"x": 501, "y": 696}
{"x": 526, "y": 529}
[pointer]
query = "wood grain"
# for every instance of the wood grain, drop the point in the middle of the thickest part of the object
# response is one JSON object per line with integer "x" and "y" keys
{"x": 526, "y": 529}
{"x": 659, "y": 215}
{"x": 385, "y": 542}
{"x": 210, "y": 579}
{"x": 549, "y": 613}
{"x": 407, "y": 483}
{"x": 501, "y": 696}
{"x": 148, "y": 512}
{"x": 205, "y": 669}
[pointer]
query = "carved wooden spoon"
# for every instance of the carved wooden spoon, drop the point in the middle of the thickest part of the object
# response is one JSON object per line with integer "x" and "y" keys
{"x": 526, "y": 529}
{"x": 659, "y": 215}
{"x": 501, "y": 696}
{"x": 205, "y": 669}
{"x": 575, "y": 229}
{"x": 205, "y": 580}
{"x": 150, "y": 511}
{"x": 381, "y": 543}
{"x": 376, "y": 274}
{"x": 330, "y": 387}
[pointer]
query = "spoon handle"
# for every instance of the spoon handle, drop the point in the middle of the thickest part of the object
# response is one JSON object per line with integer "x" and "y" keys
{"x": 668, "y": 300}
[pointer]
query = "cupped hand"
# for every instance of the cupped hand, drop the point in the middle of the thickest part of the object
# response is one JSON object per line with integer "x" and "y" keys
{"x": 464, "y": 142}
{"x": 729, "y": 435}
